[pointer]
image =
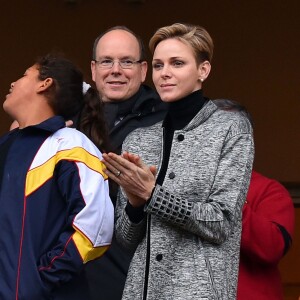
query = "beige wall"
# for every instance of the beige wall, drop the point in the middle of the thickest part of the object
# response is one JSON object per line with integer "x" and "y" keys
{"x": 256, "y": 59}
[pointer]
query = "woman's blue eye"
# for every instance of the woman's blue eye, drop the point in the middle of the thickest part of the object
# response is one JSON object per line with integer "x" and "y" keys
{"x": 178, "y": 63}
{"x": 157, "y": 66}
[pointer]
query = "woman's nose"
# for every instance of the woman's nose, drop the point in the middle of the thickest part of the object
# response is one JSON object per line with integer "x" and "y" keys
{"x": 165, "y": 72}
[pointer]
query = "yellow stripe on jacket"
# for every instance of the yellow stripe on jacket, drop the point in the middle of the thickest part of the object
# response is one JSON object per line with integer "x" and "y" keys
{"x": 86, "y": 249}
{"x": 39, "y": 175}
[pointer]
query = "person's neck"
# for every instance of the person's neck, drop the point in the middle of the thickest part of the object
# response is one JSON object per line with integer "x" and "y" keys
{"x": 181, "y": 112}
{"x": 34, "y": 118}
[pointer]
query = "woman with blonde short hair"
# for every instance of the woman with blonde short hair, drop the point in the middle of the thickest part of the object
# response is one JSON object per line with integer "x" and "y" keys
{"x": 184, "y": 181}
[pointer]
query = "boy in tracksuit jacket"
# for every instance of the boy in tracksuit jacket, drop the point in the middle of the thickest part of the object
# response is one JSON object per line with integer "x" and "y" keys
{"x": 56, "y": 213}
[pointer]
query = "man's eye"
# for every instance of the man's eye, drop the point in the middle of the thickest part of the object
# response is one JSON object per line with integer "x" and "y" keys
{"x": 106, "y": 62}
{"x": 127, "y": 62}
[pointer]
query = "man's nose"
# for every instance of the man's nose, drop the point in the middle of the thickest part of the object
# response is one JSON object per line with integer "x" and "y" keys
{"x": 116, "y": 68}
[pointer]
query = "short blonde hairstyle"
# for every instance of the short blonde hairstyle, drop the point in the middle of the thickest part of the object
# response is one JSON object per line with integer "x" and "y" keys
{"x": 192, "y": 35}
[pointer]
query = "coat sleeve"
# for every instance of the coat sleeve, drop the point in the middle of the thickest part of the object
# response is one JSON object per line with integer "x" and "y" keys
{"x": 128, "y": 233}
{"x": 268, "y": 222}
{"x": 89, "y": 221}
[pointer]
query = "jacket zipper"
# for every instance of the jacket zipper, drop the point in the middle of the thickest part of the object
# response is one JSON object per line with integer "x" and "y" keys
{"x": 125, "y": 120}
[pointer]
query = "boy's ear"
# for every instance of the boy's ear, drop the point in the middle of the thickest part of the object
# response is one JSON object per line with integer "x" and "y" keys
{"x": 45, "y": 84}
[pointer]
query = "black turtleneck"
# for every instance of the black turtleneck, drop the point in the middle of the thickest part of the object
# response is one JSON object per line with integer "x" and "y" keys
{"x": 180, "y": 113}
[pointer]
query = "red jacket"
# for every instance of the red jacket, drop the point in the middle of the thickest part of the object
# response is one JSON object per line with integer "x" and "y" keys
{"x": 268, "y": 225}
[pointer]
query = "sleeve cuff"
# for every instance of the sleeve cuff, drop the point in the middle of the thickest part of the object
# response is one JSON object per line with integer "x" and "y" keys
{"x": 135, "y": 214}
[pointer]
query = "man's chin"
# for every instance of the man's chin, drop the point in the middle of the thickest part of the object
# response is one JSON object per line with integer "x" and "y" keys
{"x": 115, "y": 97}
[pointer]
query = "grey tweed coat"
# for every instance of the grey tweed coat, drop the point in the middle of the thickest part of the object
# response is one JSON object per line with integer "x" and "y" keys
{"x": 187, "y": 246}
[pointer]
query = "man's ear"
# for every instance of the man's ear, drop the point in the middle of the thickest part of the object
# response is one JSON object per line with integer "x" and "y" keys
{"x": 144, "y": 68}
{"x": 93, "y": 70}
{"x": 45, "y": 84}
